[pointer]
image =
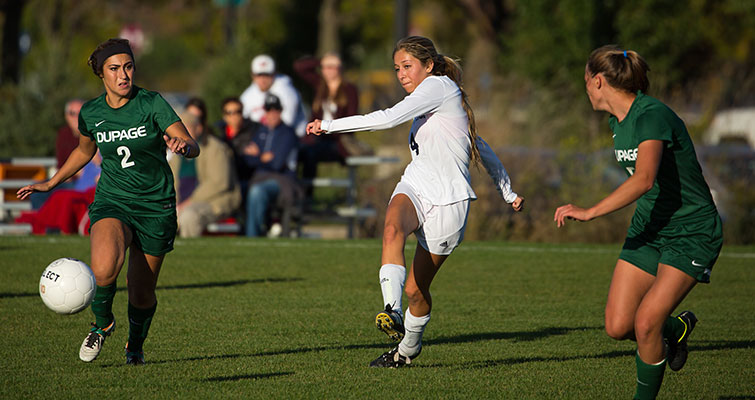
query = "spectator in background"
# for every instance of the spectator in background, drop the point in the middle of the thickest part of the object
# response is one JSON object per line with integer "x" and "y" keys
{"x": 272, "y": 153}
{"x": 68, "y": 135}
{"x": 237, "y": 131}
{"x": 206, "y": 186}
{"x": 334, "y": 98}
{"x": 265, "y": 80}
{"x": 66, "y": 141}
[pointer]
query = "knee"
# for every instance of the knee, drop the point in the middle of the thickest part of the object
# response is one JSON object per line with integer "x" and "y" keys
{"x": 415, "y": 294}
{"x": 645, "y": 327}
{"x": 107, "y": 272}
{"x": 255, "y": 192}
{"x": 141, "y": 296}
{"x": 104, "y": 278}
{"x": 619, "y": 329}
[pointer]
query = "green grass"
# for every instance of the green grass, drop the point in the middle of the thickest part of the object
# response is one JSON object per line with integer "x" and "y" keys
{"x": 242, "y": 318}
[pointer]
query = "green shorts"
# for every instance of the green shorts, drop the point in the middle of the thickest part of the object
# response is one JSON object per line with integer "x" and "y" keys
{"x": 153, "y": 235}
{"x": 692, "y": 248}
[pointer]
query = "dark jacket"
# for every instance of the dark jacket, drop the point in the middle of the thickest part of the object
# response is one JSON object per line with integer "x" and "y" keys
{"x": 237, "y": 143}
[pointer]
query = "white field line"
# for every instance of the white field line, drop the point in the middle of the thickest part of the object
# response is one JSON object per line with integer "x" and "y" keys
{"x": 376, "y": 245}
{"x": 504, "y": 247}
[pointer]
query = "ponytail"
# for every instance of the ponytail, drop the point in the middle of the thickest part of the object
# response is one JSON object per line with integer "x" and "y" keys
{"x": 445, "y": 65}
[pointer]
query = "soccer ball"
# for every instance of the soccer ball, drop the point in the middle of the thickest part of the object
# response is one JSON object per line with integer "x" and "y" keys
{"x": 67, "y": 286}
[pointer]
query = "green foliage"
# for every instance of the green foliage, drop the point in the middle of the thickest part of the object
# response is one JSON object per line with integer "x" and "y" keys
{"x": 274, "y": 319}
{"x": 367, "y": 32}
{"x": 551, "y": 41}
{"x": 227, "y": 76}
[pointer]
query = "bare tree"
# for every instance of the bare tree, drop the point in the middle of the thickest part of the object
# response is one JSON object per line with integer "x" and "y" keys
{"x": 327, "y": 40}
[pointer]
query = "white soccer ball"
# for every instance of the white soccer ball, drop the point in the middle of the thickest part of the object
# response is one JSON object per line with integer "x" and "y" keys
{"x": 67, "y": 286}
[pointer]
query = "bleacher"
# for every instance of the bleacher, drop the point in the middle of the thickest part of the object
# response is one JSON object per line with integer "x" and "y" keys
{"x": 18, "y": 172}
{"x": 349, "y": 213}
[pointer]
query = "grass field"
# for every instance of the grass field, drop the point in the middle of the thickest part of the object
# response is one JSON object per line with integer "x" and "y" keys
{"x": 242, "y": 318}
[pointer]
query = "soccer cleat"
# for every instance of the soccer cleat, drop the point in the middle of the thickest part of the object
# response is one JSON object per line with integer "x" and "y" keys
{"x": 393, "y": 359}
{"x": 134, "y": 357}
{"x": 92, "y": 345}
{"x": 390, "y": 322}
{"x": 677, "y": 352}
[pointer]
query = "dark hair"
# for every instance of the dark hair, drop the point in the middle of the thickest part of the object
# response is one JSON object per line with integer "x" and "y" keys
{"x": 231, "y": 99}
{"x": 105, "y": 50}
{"x": 623, "y": 69}
{"x": 200, "y": 104}
{"x": 423, "y": 49}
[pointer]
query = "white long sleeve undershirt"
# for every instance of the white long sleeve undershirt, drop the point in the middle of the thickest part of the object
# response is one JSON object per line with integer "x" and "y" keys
{"x": 439, "y": 170}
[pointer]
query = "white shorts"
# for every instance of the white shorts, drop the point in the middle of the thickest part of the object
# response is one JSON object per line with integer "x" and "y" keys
{"x": 441, "y": 228}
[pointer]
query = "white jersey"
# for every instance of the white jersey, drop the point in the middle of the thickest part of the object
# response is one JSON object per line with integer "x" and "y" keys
{"x": 293, "y": 114}
{"x": 438, "y": 140}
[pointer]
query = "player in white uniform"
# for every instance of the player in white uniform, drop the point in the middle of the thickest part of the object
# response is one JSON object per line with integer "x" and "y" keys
{"x": 432, "y": 199}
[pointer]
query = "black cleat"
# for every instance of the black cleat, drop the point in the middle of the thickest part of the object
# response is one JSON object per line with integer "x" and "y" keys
{"x": 392, "y": 359}
{"x": 134, "y": 357}
{"x": 677, "y": 352}
{"x": 391, "y": 323}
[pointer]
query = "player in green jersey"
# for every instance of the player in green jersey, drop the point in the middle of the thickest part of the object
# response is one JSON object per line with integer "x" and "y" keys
{"x": 134, "y": 206}
{"x": 675, "y": 235}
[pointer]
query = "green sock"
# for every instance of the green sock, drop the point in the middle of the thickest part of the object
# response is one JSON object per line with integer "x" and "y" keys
{"x": 102, "y": 305}
{"x": 649, "y": 379}
{"x": 139, "y": 320}
{"x": 674, "y": 329}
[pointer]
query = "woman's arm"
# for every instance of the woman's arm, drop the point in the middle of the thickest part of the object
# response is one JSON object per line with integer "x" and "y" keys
{"x": 649, "y": 155}
{"x": 426, "y": 98}
{"x": 179, "y": 141}
{"x": 79, "y": 157}
{"x": 498, "y": 174}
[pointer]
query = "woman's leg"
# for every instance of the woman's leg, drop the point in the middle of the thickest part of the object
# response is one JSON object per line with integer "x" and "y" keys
{"x": 143, "y": 270}
{"x": 669, "y": 289}
{"x": 424, "y": 268}
{"x": 628, "y": 287}
{"x": 400, "y": 222}
{"x": 109, "y": 239}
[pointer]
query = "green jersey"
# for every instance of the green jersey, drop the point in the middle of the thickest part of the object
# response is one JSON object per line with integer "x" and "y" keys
{"x": 135, "y": 172}
{"x": 679, "y": 191}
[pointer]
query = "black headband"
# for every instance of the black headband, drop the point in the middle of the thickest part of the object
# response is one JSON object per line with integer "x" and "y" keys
{"x": 115, "y": 48}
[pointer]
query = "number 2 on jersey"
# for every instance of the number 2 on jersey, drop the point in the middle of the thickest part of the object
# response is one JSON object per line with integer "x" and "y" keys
{"x": 126, "y": 153}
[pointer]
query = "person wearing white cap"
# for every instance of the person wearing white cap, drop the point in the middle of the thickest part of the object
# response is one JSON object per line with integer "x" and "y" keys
{"x": 265, "y": 80}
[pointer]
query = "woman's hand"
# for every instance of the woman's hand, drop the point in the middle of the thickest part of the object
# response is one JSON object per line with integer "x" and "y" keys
{"x": 177, "y": 145}
{"x": 573, "y": 212}
{"x": 315, "y": 127}
{"x": 518, "y": 204}
{"x": 27, "y": 190}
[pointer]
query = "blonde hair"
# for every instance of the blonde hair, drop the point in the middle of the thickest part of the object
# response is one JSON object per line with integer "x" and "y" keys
{"x": 424, "y": 50}
{"x": 623, "y": 69}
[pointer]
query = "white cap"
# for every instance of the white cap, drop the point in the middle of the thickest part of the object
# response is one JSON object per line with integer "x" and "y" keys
{"x": 263, "y": 64}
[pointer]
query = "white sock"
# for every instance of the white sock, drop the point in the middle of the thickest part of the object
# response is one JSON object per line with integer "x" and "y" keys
{"x": 392, "y": 277}
{"x": 414, "y": 328}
